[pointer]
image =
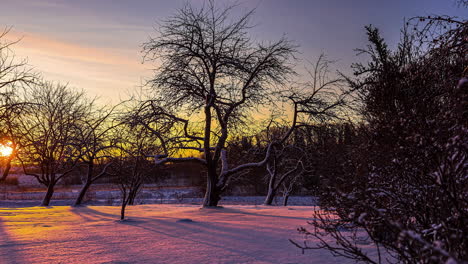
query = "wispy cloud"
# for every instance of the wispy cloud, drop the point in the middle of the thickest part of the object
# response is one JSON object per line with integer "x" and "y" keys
{"x": 70, "y": 51}
{"x": 104, "y": 72}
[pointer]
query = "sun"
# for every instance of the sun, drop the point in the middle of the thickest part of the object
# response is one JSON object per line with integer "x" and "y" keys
{"x": 5, "y": 150}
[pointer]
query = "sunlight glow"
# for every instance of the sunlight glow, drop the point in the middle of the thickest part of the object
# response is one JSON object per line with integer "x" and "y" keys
{"x": 5, "y": 150}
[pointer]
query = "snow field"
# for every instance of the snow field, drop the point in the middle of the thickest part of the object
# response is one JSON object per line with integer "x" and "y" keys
{"x": 155, "y": 234}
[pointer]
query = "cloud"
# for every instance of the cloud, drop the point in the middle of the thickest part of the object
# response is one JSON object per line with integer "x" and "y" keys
{"x": 108, "y": 72}
{"x": 69, "y": 51}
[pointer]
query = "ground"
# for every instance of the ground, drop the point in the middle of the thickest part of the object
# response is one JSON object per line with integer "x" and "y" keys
{"x": 155, "y": 234}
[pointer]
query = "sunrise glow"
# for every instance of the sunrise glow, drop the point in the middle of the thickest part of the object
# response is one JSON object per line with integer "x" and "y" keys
{"x": 5, "y": 150}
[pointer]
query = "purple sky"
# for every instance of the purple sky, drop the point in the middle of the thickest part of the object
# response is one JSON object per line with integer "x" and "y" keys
{"x": 95, "y": 45}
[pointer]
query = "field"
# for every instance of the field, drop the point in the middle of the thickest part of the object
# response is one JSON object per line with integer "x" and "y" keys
{"x": 155, "y": 234}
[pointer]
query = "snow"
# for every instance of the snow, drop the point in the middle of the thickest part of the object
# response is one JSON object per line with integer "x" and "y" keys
{"x": 160, "y": 233}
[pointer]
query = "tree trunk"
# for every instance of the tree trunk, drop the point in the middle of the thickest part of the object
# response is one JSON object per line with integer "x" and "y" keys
{"x": 122, "y": 211}
{"x": 132, "y": 195}
{"x": 270, "y": 196}
{"x": 285, "y": 199}
{"x": 124, "y": 204}
{"x": 84, "y": 190}
{"x": 49, "y": 193}
{"x": 131, "y": 199}
{"x": 212, "y": 196}
{"x": 134, "y": 190}
{"x": 271, "y": 190}
{"x": 7, "y": 168}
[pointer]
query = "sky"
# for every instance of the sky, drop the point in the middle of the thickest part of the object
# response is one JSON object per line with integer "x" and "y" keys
{"x": 95, "y": 45}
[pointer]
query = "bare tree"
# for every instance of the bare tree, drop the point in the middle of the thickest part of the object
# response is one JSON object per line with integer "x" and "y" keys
{"x": 13, "y": 72}
{"x": 95, "y": 139}
{"x": 212, "y": 75}
{"x": 284, "y": 165}
{"x": 46, "y": 133}
{"x": 14, "y": 75}
{"x": 11, "y": 109}
{"x": 288, "y": 188}
{"x": 132, "y": 167}
{"x": 320, "y": 100}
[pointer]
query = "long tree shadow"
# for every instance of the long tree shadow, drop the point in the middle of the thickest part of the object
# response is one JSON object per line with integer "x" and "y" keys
{"x": 236, "y": 235}
{"x": 89, "y": 214}
{"x": 9, "y": 251}
{"x": 84, "y": 209}
{"x": 203, "y": 233}
{"x": 243, "y": 212}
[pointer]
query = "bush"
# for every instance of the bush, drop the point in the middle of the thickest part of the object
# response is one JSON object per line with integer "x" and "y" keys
{"x": 408, "y": 193}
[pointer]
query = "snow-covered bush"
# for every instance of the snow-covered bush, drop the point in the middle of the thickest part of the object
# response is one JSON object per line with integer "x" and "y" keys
{"x": 408, "y": 194}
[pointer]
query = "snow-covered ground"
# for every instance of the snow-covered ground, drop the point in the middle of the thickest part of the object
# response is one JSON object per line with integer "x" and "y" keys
{"x": 155, "y": 234}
